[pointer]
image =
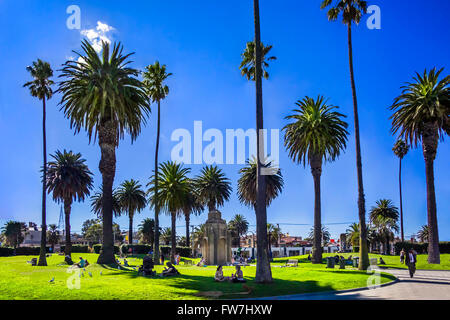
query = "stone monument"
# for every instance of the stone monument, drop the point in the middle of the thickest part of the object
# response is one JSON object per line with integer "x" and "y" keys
{"x": 216, "y": 245}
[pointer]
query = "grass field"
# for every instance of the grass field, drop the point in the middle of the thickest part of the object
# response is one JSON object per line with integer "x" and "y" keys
{"x": 391, "y": 261}
{"x": 19, "y": 280}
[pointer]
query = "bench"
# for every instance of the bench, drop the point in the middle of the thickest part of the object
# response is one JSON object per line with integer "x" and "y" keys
{"x": 188, "y": 262}
{"x": 292, "y": 262}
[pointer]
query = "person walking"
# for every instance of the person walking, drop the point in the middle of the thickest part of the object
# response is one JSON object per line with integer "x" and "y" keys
{"x": 402, "y": 256}
{"x": 410, "y": 261}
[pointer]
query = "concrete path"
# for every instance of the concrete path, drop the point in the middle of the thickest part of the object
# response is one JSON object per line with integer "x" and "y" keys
{"x": 426, "y": 285}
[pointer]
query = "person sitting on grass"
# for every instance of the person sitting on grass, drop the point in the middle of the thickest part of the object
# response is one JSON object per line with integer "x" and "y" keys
{"x": 382, "y": 261}
{"x": 68, "y": 260}
{"x": 147, "y": 266}
{"x": 125, "y": 263}
{"x": 201, "y": 263}
{"x": 219, "y": 275}
{"x": 170, "y": 270}
{"x": 81, "y": 263}
{"x": 238, "y": 276}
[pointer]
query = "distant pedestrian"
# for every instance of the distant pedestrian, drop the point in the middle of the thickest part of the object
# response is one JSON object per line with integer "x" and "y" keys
{"x": 162, "y": 258}
{"x": 402, "y": 256}
{"x": 410, "y": 261}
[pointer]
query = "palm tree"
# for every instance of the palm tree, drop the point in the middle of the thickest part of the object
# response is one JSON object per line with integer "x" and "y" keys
{"x": 263, "y": 271}
{"x": 274, "y": 232}
{"x": 421, "y": 114}
{"x": 102, "y": 95}
{"x": 400, "y": 150}
{"x": 173, "y": 184}
{"x": 69, "y": 180}
{"x": 131, "y": 199}
{"x": 353, "y": 234}
{"x": 213, "y": 187}
{"x": 97, "y": 204}
{"x": 199, "y": 234}
{"x": 316, "y": 134}
{"x": 239, "y": 225}
{"x": 191, "y": 205}
{"x": 352, "y": 11}
{"x": 247, "y": 183}
{"x": 147, "y": 231}
{"x": 384, "y": 217}
{"x": 423, "y": 234}
{"x": 53, "y": 236}
{"x": 325, "y": 235}
{"x": 14, "y": 233}
{"x": 40, "y": 87}
{"x": 248, "y": 60}
{"x": 166, "y": 236}
{"x": 154, "y": 77}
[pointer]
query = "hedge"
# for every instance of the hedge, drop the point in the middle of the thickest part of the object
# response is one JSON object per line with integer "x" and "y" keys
{"x": 77, "y": 248}
{"x": 182, "y": 251}
{"x": 6, "y": 251}
{"x": 97, "y": 248}
{"x": 422, "y": 248}
{"x": 137, "y": 248}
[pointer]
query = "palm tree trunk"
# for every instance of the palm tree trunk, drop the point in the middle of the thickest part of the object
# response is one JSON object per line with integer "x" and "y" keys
{"x": 316, "y": 170}
{"x": 187, "y": 216}
{"x": 363, "y": 252}
{"x": 263, "y": 271}
{"x": 67, "y": 209}
{"x": 130, "y": 229}
{"x": 42, "y": 252}
{"x": 156, "y": 259}
{"x": 107, "y": 141}
{"x": 173, "y": 238}
{"x": 429, "y": 145}
{"x": 401, "y": 200}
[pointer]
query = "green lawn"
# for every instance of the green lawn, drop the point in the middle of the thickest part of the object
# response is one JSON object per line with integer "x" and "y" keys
{"x": 19, "y": 280}
{"x": 391, "y": 261}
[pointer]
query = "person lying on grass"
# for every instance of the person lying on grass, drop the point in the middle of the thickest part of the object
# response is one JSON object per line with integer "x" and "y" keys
{"x": 170, "y": 270}
{"x": 219, "y": 275}
{"x": 238, "y": 276}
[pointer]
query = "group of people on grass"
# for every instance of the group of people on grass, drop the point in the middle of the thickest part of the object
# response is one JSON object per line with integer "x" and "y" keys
{"x": 237, "y": 277}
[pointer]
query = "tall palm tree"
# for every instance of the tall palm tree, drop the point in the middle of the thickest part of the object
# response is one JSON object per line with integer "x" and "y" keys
{"x": 101, "y": 94}
{"x": 131, "y": 199}
{"x": 191, "y": 205}
{"x": 53, "y": 236}
{"x": 248, "y": 60}
{"x": 154, "y": 77}
{"x": 69, "y": 180}
{"x": 400, "y": 150}
{"x": 325, "y": 235}
{"x": 41, "y": 88}
{"x": 147, "y": 231}
{"x": 421, "y": 114}
{"x": 166, "y": 236}
{"x": 274, "y": 232}
{"x": 318, "y": 133}
{"x": 423, "y": 234}
{"x": 173, "y": 184}
{"x": 384, "y": 217}
{"x": 213, "y": 187}
{"x": 352, "y": 234}
{"x": 199, "y": 234}
{"x": 352, "y": 11}
{"x": 97, "y": 204}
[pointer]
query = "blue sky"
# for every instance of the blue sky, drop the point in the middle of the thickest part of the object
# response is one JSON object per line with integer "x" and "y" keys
{"x": 201, "y": 42}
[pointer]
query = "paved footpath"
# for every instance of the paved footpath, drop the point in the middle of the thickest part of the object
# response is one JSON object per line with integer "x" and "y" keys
{"x": 426, "y": 285}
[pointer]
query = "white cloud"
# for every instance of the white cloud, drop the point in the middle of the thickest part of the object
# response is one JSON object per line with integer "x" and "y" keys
{"x": 98, "y": 34}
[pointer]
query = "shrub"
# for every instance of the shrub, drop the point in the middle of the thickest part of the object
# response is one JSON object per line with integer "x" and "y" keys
{"x": 137, "y": 248}
{"x": 355, "y": 248}
{"x": 29, "y": 251}
{"x": 6, "y": 251}
{"x": 182, "y": 251}
{"x": 76, "y": 248}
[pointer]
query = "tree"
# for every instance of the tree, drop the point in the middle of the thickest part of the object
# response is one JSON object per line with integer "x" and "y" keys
{"x": 173, "y": 184}
{"x": 352, "y": 11}
{"x": 131, "y": 199}
{"x": 68, "y": 179}
{"x": 353, "y": 234}
{"x": 421, "y": 114}
{"x": 191, "y": 205}
{"x": 154, "y": 77}
{"x": 384, "y": 217}
{"x": 41, "y": 88}
{"x": 238, "y": 226}
{"x": 274, "y": 232}
{"x": 14, "y": 233}
{"x": 53, "y": 236}
{"x": 147, "y": 231}
{"x": 97, "y": 204}
{"x": 247, "y": 192}
{"x": 263, "y": 271}
{"x": 94, "y": 233}
{"x": 166, "y": 236}
{"x": 400, "y": 150}
{"x": 317, "y": 134}
{"x": 87, "y": 224}
{"x": 423, "y": 234}
{"x": 325, "y": 235}
{"x": 248, "y": 60}
{"x": 213, "y": 187}
{"x": 102, "y": 95}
